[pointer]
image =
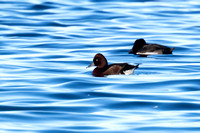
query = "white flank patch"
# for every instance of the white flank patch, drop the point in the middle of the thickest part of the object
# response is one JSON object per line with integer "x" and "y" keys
{"x": 129, "y": 72}
{"x": 147, "y": 53}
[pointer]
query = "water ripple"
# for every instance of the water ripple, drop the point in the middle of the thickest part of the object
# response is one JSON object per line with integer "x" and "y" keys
{"x": 45, "y": 47}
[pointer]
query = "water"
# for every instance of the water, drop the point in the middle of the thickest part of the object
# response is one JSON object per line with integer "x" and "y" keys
{"x": 45, "y": 47}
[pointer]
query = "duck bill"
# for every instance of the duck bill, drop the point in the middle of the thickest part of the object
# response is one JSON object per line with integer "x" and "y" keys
{"x": 131, "y": 51}
{"x": 92, "y": 64}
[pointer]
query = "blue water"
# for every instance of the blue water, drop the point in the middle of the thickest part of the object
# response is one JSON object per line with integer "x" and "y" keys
{"x": 45, "y": 47}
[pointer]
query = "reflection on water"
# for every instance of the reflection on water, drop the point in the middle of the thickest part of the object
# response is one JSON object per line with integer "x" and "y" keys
{"x": 45, "y": 47}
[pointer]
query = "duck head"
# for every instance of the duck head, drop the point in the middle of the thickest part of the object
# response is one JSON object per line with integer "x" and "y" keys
{"x": 99, "y": 60}
{"x": 138, "y": 44}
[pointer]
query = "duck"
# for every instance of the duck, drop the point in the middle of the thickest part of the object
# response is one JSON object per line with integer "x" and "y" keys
{"x": 103, "y": 69}
{"x": 142, "y": 48}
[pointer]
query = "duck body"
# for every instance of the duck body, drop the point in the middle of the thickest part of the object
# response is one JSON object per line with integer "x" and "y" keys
{"x": 103, "y": 69}
{"x": 114, "y": 69}
{"x": 144, "y": 49}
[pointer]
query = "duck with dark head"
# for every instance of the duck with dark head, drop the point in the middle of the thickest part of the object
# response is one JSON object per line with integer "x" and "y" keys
{"x": 103, "y": 69}
{"x": 142, "y": 48}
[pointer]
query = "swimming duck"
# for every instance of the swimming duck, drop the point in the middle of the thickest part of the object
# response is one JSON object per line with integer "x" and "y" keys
{"x": 104, "y": 69}
{"x": 142, "y": 48}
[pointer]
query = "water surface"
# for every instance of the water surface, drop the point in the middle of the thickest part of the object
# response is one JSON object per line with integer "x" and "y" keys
{"x": 45, "y": 47}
